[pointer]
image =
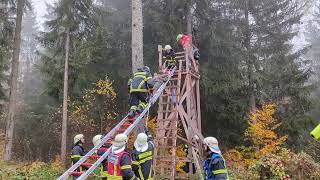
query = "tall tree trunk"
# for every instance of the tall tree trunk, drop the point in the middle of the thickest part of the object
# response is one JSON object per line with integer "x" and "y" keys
{"x": 137, "y": 35}
{"x": 189, "y": 17}
{"x": 13, "y": 83}
{"x": 65, "y": 101}
{"x": 250, "y": 61}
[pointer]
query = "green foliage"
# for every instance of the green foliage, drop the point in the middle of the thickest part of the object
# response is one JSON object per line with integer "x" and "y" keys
{"x": 33, "y": 171}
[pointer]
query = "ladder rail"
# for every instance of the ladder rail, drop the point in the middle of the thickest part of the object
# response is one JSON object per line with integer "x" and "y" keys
{"x": 66, "y": 174}
{"x": 152, "y": 101}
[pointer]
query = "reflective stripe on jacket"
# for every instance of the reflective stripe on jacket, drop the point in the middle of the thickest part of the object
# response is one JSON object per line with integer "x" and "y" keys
{"x": 119, "y": 166}
{"x": 142, "y": 163}
{"x": 215, "y": 168}
{"x": 76, "y": 155}
{"x": 141, "y": 82}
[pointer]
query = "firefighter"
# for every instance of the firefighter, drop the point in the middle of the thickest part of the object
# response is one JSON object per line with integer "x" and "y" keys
{"x": 139, "y": 87}
{"x": 119, "y": 160}
{"x": 170, "y": 56}
{"x": 103, "y": 167}
{"x": 77, "y": 152}
{"x": 184, "y": 39}
{"x": 142, "y": 156}
{"x": 214, "y": 166}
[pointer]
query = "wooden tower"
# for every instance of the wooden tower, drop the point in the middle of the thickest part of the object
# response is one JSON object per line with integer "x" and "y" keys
{"x": 179, "y": 119}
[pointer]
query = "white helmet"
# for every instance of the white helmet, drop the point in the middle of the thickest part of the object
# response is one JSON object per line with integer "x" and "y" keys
{"x": 167, "y": 47}
{"x": 141, "y": 143}
{"x": 120, "y": 140}
{"x": 212, "y": 143}
{"x": 96, "y": 139}
{"x": 77, "y": 138}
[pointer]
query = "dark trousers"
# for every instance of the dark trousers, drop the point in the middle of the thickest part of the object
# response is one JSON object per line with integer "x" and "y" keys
{"x": 138, "y": 98}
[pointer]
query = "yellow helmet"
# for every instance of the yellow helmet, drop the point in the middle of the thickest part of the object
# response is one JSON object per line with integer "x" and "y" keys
{"x": 179, "y": 37}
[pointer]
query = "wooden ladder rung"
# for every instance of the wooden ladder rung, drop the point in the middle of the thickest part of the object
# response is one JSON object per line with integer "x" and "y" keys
{"x": 161, "y": 128}
{"x": 182, "y": 52}
{"x": 167, "y": 137}
{"x": 163, "y": 147}
{"x": 163, "y": 120}
{"x": 166, "y": 95}
{"x": 167, "y": 111}
{"x": 171, "y": 87}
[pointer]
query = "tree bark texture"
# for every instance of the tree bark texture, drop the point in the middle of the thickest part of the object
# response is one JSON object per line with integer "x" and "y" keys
{"x": 13, "y": 83}
{"x": 137, "y": 35}
{"x": 65, "y": 101}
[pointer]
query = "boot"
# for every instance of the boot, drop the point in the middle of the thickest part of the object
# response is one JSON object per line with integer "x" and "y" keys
{"x": 139, "y": 110}
{"x": 131, "y": 113}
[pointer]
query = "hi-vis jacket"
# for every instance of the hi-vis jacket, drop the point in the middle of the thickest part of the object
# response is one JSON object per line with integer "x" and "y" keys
{"x": 215, "y": 167}
{"x": 76, "y": 155}
{"x": 119, "y": 167}
{"x": 141, "y": 82}
{"x": 142, "y": 163}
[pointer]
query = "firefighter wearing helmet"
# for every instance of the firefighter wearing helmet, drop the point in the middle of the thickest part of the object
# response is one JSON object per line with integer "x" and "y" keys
{"x": 170, "y": 57}
{"x": 103, "y": 167}
{"x": 183, "y": 40}
{"x": 142, "y": 156}
{"x": 119, "y": 160}
{"x": 77, "y": 152}
{"x": 139, "y": 87}
{"x": 214, "y": 166}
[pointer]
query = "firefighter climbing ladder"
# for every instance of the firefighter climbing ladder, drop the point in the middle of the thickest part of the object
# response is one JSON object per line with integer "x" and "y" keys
{"x": 125, "y": 126}
{"x": 179, "y": 106}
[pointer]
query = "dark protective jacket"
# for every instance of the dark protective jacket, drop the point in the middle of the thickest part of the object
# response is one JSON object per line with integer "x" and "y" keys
{"x": 141, "y": 82}
{"x": 215, "y": 167}
{"x": 142, "y": 161}
{"x": 170, "y": 57}
{"x": 76, "y": 154}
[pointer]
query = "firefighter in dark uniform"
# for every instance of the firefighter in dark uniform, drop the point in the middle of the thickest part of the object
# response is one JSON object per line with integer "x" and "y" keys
{"x": 119, "y": 160}
{"x": 142, "y": 156}
{"x": 77, "y": 152}
{"x": 214, "y": 166}
{"x": 103, "y": 168}
{"x": 139, "y": 87}
{"x": 170, "y": 56}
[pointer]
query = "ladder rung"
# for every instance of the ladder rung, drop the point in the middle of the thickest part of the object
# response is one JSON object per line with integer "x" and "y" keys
{"x": 102, "y": 149}
{"x": 167, "y": 111}
{"x": 126, "y": 124}
{"x": 121, "y": 130}
{"x": 161, "y": 128}
{"x": 169, "y": 137}
{"x": 170, "y": 95}
{"x": 182, "y": 52}
{"x": 76, "y": 173}
{"x": 171, "y": 87}
{"x": 162, "y": 120}
{"x": 167, "y": 103}
{"x": 162, "y": 147}
{"x": 86, "y": 164}
{"x": 94, "y": 156}
{"x": 178, "y": 57}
